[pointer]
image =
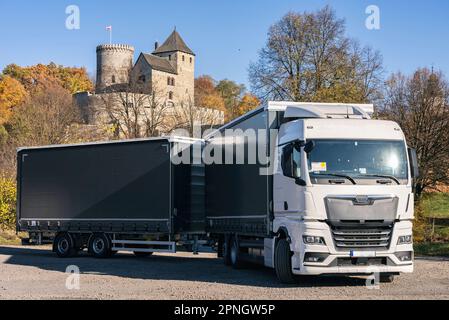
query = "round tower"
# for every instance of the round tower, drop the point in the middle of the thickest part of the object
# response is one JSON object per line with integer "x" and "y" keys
{"x": 114, "y": 65}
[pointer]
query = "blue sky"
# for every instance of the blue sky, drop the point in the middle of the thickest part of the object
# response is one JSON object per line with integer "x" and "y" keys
{"x": 225, "y": 35}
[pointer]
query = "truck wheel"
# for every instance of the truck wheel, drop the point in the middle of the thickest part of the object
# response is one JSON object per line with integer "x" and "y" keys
{"x": 100, "y": 246}
{"x": 142, "y": 254}
{"x": 63, "y": 245}
{"x": 386, "y": 278}
{"x": 236, "y": 260}
{"x": 283, "y": 262}
{"x": 227, "y": 250}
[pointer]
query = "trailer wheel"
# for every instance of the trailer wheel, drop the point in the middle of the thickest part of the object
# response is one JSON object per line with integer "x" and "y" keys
{"x": 386, "y": 278}
{"x": 100, "y": 246}
{"x": 283, "y": 262}
{"x": 142, "y": 254}
{"x": 63, "y": 245}
{"x": 236, "y": 260}
{"x": 227, "y": 250}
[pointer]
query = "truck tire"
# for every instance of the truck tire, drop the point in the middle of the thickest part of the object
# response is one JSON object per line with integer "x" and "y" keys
{"x": 283, "y": 262}
{"x": 100, "y": 246}
{"x": 142, "y": 254}
{"x": 63, "y": 245}
{"x": 386, "y": 278}
{"x": 227, "y": 250}
{"x": 234, "y": 253}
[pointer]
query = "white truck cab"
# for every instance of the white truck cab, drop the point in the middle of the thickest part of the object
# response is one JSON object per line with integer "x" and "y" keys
{"x": 342, "y": 193}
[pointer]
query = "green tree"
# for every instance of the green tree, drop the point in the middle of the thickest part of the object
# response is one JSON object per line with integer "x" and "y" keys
{"x": 7, "y": 202}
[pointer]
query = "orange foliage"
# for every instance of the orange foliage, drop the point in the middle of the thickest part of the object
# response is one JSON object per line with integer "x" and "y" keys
{"x": 12, "y": 93}
{"x": 40, "y": 76}
{"x": 249, "y": 102}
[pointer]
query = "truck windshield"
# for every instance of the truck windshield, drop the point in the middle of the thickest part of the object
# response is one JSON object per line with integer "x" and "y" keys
{"x": 358, "y": 161}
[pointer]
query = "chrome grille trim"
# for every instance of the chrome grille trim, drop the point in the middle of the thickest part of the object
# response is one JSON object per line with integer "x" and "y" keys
{"x": 348, "y": 237}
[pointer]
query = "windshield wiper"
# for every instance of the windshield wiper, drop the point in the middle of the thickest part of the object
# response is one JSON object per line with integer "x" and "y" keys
{"x": 337, "y": 175}
{"x": 382, "y": 176}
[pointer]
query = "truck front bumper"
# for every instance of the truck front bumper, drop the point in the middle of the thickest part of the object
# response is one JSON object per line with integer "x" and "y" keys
{"x": 332, "y": 260}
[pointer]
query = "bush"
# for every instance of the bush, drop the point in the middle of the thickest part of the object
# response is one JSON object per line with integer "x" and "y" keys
{"x": 7, "y": 203}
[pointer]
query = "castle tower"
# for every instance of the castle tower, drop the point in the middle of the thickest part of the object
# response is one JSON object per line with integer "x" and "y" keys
{"x": 183, "y": 59}
{"x": 114, "y": 65}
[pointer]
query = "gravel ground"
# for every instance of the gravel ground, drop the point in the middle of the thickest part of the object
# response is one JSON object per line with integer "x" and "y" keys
{"x": 36, "y": 273}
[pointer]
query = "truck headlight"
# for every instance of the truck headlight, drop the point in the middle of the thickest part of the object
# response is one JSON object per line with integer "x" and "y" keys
{"x": 405, "y": 240}
{"x": 313, "y": 240}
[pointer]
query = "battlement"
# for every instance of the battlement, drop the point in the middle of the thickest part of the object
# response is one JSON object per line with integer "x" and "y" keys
{"x": 115, "y": 47}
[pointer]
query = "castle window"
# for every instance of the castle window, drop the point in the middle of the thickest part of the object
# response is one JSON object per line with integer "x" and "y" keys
{"x": 170, "y": 95}
{"x": 183, "y": 58}
{"x": 142, "y": 78}
{"x": 191, "y": 59}
{"x": 168, "y": 81}
{"x": 169, "y": 57}
{"x": 113, "y": 79}
{"x": 173, "y": 81}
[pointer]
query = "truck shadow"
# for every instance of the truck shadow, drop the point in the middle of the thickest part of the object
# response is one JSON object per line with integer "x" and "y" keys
{"x": 166, "y": 267}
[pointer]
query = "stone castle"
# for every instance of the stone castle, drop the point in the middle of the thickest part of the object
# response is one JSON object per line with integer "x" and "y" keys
{"x": 169, "y": 72}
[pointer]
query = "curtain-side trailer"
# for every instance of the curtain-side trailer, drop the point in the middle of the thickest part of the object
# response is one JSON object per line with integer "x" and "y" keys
{"x": 109, "y": 197}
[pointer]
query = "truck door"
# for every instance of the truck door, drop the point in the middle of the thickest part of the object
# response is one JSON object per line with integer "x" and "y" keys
{"x": 288, "y": 183}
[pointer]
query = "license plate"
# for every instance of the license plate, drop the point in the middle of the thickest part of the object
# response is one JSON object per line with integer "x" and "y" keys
{"x": 363, "y": 254}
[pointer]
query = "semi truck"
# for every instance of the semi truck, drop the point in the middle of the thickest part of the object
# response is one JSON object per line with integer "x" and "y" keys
{"x": 303, "y": 188}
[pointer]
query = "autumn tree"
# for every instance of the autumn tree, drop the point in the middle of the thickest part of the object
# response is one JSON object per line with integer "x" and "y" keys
{"x": 12, "y": 94}
{"x": 40, "y": 76}
{"x": 231, "y": 92}
{"x": 248, "y": 103}
{"x": 44, "y": 118}
{"x": 420, "y": 104}
{"x": 307, "y": 57}
{"x": 206, "y": 94}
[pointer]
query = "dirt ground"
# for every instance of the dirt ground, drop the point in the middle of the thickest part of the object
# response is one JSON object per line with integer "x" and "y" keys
{"x": 36, "y": 273}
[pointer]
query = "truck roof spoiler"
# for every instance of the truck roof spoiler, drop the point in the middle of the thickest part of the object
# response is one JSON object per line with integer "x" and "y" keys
{"x": 306, "y": 110}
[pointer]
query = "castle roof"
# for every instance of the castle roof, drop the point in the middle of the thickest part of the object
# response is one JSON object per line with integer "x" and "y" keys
{"x": 158, "y": 63}
{"x": 174, "y": 43}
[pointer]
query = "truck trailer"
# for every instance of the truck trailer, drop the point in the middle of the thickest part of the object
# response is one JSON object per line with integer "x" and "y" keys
{"x": 304, "y": 188}
{"x": 109, "y": 197}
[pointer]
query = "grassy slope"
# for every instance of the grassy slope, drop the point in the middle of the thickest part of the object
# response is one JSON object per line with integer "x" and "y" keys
{"x": 435, "y": 205}
{"x": 432, "y": 249}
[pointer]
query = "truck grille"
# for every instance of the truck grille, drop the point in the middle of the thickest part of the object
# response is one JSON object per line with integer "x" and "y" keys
{"x": 349, "y": 238}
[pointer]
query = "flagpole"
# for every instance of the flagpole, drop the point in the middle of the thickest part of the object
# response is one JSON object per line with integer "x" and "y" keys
{"x": 110, "y": 36}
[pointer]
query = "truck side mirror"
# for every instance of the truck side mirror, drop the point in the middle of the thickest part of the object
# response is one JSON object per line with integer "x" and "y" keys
{"x": 309, "y": 146}
{"x": 286, "y": 160}
{"x": 414, "y": 166}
